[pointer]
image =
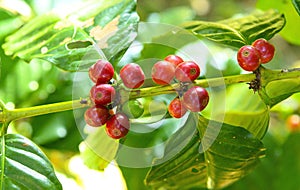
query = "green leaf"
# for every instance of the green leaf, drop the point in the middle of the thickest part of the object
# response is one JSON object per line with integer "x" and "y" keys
{"x": 103, "y": 29}
{"x": 24, "y": 166}
{"x": 134, "y": 177}
{"x": 280, "y": 169}
{"x": 289, "y": 167}
{"x": 11, "y": 18}
{"x": 252, "y": 114}
{"x": 98, "y": 150}
{"x": 236, "y": 32}
{"x": 296, "y": 4}
{"x": 290, "y": 30}
{"x": 276, "y": 86}
{"x": 146, "y": 140}
{"x": 238, "y": 105}
{"x": 2, "y": 104}
{"x": 214, "y": 158}
{"x": 148, "y": 143}
{"x": 9, "y": 25}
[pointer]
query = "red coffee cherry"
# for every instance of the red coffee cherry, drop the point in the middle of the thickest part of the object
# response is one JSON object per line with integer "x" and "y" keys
{"x": 102, "y": 94}
{"x": 117, "y": 126}
{"x": 195, "y": 99}
{"x": 132, "y": 75}
{"x": 101, "y": 72}
{"x": 187, "y": 71}
{"x": 174, "y": 59}
{"x": 176, "y": 108}
{"x": 96, "y": 116}
{"x": 265, "y": 49}
{"x": 248, "y": 58}
{"x": 163, "y": 72}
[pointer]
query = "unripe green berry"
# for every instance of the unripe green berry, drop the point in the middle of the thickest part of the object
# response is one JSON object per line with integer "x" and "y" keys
{"x": 133, "y": 109}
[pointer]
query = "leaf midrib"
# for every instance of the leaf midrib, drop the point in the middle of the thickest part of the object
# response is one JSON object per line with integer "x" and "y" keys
{"x": 233, "y": 30}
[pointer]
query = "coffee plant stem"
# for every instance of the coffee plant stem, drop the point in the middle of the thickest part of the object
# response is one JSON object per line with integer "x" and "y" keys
{"x": 273, "y": 75}
{"x": 4, "y": 129}
{"x": 168, "y": 89}
{"x": 6, "y": 116}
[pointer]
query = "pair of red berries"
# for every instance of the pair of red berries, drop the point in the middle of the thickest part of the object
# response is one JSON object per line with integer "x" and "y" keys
{"x": 173, "y": 66}
{"x": 163, "y": 72}
{"x": 102, "y": 95}
{"x": 194, "y": 99}
{"x": 251, "y": 56}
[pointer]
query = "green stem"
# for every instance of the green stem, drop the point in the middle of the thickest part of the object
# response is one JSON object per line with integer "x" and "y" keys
{"x": 9, "y": 115}
{"x": 6, "y": 116}
{"x": 4, "y": 128}
{"x": 2, "y": 160}
{"x": 168, "y": 89}
{"x": 270, "y": 75}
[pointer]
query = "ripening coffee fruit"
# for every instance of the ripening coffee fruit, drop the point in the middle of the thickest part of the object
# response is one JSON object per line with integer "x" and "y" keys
{"x": 174, "y": 59}
{"x": 176, "y": 108}
{"x": 265, "y": 49}
{"x": 101, "y": 72}
{"x": 248, "y": 58}
{"x": 163, "y": 72}
{"x": 293, "y": 123}
{"x": 102, "y": 94}
{"x": 96, "y": 116}
{"x": 195, "y": 99}
{"x": 133, "y": 109}
{"x": 117, "y": 126}
{"x": 132, "y": 75}
{"x": 187, "y": 71}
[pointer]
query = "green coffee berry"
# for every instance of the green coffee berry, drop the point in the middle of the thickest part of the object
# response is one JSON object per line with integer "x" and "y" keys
{"x": 133, "y": 109}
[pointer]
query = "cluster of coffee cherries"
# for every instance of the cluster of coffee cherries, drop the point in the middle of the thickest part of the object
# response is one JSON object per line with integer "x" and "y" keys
{"x": 102, "y": 95}
{"x": 174, "y": 68}
{"x": 251, "y": 56}
{"x": 105, "y": 96}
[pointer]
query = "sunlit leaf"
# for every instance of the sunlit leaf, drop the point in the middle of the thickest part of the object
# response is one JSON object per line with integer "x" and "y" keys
{"x": 252, "y": 114}
{"x": 103, "y": 29}
{"x": 274, "y": 90}
{"x": 9, "y": 25}
{"x": 24, "y": 166}
{"x": 237, "y": 105}
{"x": 13, "y": 14}
{"x": 236, "y": 32}
{"x": 98, "y": 149}
{"x": 148, "y": 143}
{"x": 290, "y": 30}
{"x": 214, "y": 158}
{"x": 296, "y": 4}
